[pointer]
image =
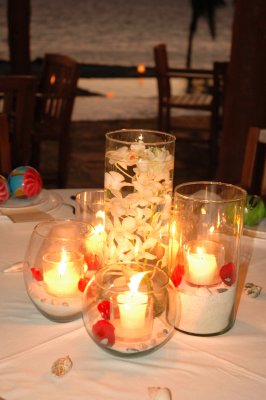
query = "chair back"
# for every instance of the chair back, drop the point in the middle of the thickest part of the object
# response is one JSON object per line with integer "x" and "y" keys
{"x": 253, "y": 176}
{"x": 5, "y": 157}
{"x": 161, "y": 71}
{"x": 57, "y": 91}
{"x": 18, "y": 102}
{"x": 55, "y": 103}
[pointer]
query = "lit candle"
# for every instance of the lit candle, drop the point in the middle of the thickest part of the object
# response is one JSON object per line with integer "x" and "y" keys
{"x": 61, "y": 272}
{"x": 201, "y": 268}
{"x": 134, "y": 324}
{"x": 94, "y": 241}
{"x": 203, "y": 259}
{"x": 173, "y": 245}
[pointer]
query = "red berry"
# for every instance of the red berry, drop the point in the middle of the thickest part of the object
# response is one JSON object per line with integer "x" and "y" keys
{"x": 82, "y": 284}
{"x": 36, "y": 273}
{"x": 177, "y": 275}
{"x": 104, "y": 332}
{"x": 228, "y": 274}
{"x": 104, "y": 309}
{"x": 92, "y": 261}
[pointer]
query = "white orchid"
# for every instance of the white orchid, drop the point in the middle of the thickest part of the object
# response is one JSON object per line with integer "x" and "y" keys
{"x": 138, "y": 202}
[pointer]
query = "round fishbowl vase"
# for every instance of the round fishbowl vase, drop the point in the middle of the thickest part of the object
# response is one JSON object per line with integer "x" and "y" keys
{"x": 130, "y": 309}
{"x": 138, "y": 186}
{"x": 57, "y": 268}
{"x": 208, "y": 220}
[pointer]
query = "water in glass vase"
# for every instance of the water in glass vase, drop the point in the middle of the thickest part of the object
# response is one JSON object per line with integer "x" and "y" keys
{"x": 138, "y": 186}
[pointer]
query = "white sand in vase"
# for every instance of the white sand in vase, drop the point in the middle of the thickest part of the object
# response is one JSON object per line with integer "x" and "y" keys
{"x": 205, "y": 310}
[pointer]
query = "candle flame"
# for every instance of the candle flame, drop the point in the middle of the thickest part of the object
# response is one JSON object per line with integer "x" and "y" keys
{"x": 99, "y": 229}
{"x": 200, "y": 251}
{"x": 100, "y": 214}
{"x": 135, "y": 281}
{"x": 63, "y": 262}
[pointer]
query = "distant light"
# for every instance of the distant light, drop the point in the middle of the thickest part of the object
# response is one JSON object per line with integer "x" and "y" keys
{"x": 52, "y": 79}
{"x": 110, "y": 95}
{"x": 141, "y": 69}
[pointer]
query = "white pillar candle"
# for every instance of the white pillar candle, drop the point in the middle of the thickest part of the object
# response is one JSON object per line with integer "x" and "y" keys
{"x": 61, "y": 272}
{"x": 134, "y": 323}
{"x": 203, "y": 259}
{"x": 202, "y": 268}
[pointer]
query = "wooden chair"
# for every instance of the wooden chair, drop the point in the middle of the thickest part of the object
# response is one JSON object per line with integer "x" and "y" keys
{"x": 17, "y": 95}
{"x": 253, "y": 177}
{"x": 208, "y": 102}
{"x": 5, "y": 156}
{"x": 54, "y": 109}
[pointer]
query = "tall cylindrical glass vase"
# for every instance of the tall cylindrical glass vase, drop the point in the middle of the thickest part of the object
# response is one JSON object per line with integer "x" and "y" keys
{"x": 138, "y": 185}
{"x": 208, "y": 226}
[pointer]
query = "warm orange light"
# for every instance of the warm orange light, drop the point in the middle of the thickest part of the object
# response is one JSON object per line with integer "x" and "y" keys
{"x": 141, "y": 68}
{"x": 52, "y": 79}
{"x": 110, "y": 95}
{"x": 62, "y": 272}
{"x": 132, "y": 306}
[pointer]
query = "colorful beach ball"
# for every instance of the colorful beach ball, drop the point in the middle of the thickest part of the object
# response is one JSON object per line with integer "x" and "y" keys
{"x": 4, "y": 189}
{"x": 24, "y": 182}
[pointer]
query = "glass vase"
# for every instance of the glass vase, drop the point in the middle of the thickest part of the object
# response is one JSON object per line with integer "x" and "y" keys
{"x": 129, "y": 309}
{"x": 138, "y": 185}
{"x": 208, "y": 219}
{"x": 57, "y": 268}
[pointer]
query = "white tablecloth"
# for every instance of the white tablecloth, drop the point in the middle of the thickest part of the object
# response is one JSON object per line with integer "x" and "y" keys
{"x": 227, "y": 367}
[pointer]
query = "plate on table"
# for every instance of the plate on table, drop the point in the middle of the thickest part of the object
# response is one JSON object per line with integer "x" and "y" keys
{"x": 257, "y": 231}
{"x": 45, "y": 201}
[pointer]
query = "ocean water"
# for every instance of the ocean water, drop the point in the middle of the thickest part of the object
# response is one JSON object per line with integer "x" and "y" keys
{"x": 121, "y": 32}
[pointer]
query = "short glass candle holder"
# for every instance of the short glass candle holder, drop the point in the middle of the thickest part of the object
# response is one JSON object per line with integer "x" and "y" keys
{"x": 129, "y": 309}
{"x": 89, "y": 208}
{"x": 55, "y": 268}
{"x": 208, "y": 220}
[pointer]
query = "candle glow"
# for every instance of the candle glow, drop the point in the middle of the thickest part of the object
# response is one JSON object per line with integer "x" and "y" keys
{"x": 133, "y": 306}
{"x": 61, "y": 277}
{"x": 202, "y": 267}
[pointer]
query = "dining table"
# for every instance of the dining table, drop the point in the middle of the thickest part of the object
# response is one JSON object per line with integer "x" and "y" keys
{"x": 230, "y": 366}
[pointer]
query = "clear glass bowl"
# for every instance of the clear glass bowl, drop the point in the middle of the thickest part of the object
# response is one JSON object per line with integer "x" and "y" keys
{"x": 57, "y": 268}
{"x": 129, "y": 309}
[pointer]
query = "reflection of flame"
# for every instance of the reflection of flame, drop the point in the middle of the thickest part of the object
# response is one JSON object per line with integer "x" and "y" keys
{"x": 62, "y": 264}
{"x": 100, "y": 214}
{"x": 135, "y": 281}
{"x": 203, "y": 211}
{"x": 173, "y": 229}
{"x": 211, "y": 230}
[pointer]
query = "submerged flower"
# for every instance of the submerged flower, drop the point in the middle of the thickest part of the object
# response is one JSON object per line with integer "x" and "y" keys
{"x": 114, "y": 181}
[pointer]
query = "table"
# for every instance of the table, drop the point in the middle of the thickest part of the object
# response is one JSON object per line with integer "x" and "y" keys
{"x": 231, "y": 366}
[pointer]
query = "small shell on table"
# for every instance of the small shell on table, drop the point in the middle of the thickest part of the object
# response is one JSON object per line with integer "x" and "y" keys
{"x": 159, "y": 393}
{"x": 252, "y": 290}
{"x": 61, "y": 366}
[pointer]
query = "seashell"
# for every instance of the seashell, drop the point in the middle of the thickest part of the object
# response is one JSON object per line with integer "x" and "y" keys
{"x": 61, "y": 366}
{"x": 158, "y": 393}
{"x": 252, "y": 290}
